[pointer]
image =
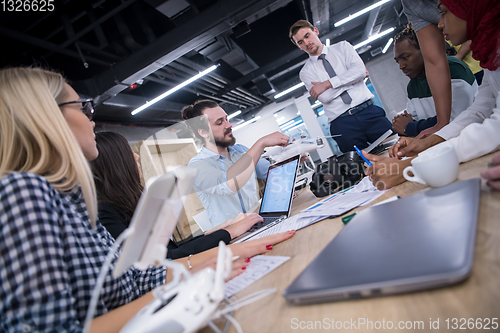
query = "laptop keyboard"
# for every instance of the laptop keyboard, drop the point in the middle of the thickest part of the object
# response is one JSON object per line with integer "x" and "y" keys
{"x": 266, "y": 221}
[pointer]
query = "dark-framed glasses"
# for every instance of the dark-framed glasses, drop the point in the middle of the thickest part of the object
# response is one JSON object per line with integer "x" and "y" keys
{"x": 87, "y": 106}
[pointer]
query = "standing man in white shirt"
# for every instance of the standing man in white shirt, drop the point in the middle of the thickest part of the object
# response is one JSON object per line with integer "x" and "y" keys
{"x": 334, "y": 76}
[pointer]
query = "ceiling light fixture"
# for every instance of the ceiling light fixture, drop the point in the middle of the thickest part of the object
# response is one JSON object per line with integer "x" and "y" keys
{"x": 386, "y": 47}
{"x": 317, "y": 104}
{"x": 246, "y": 123}
{"x": 287, "y": 123}
{"x": 174, "y": 89}
{"x": 361, "y": 12}
{"x": 293, "y": 128}
{"x": 327, "y": 42}
{"x": 234, "y": 114}
{"x": 287, "y": 126}
{"x": 374, "y": 37}
{"x": 283, "y": 93}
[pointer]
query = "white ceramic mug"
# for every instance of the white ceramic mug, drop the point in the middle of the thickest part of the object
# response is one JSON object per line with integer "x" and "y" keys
{"x": 437, "y": 166}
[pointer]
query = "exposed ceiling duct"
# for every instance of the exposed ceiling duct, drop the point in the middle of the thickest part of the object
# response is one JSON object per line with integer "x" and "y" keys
{"x": 126, "y": 52}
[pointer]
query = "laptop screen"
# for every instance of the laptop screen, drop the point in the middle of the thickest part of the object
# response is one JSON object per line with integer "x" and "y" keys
{"x": 279, "y": 186}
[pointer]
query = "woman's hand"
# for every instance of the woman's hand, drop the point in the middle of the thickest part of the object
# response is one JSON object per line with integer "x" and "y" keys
{"x": 411, "y": 147}
{"x": 254, "y": 247}
{"x": 258, "y": 246}
{"x": 238, "y": 267}
{"x": 244, "y": 251}
{"x": 399, "y": 146}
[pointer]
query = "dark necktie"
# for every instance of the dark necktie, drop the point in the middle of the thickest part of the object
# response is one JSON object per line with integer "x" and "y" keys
{"x": 331, "y": 72}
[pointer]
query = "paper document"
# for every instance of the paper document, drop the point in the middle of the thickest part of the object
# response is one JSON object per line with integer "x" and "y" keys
{"x": 361, "y": 194}
{"x": 259, "y": 266}
{"x": 337, "y": 204}
{"x": 330, "y": 198}
{"x": 342, "y": 204}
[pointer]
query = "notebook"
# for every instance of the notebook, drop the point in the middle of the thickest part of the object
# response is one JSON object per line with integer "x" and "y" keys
{"x": 277, "y": 198}
{"x": 418, "y": 242}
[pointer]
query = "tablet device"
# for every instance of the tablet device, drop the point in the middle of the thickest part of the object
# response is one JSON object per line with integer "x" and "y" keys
{"x": 154, "y": 220}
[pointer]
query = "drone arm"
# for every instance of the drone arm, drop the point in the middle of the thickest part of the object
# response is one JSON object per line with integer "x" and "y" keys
{"x": 223, "y": 271}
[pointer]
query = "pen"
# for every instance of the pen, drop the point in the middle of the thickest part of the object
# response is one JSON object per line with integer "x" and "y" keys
{"x": 361, "y": 154}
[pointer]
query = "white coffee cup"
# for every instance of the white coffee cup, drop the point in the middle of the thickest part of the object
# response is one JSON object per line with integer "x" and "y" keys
{"x": 437, "y": 166}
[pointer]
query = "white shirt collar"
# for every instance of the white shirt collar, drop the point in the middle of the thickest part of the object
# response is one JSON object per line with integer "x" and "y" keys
{"x": 324, "y": 51}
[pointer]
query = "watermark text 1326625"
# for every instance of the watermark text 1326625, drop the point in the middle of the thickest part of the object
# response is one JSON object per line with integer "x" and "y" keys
{"x": 27, "y": 5}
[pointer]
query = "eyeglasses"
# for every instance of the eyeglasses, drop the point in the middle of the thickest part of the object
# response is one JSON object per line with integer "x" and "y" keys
{"x": 87, "y": 106}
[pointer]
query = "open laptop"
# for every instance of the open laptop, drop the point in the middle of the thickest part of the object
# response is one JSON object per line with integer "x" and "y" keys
{"x": 418, "y": 242}
{"x": 278, "y": 194}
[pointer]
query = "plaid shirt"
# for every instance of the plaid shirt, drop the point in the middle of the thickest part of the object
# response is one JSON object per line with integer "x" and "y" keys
{"x": 51, "y": 257}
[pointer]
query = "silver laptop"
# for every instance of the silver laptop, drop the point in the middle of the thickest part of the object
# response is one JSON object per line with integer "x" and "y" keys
{"x": 419, "y": 242}
{"x": 277, "y": 199}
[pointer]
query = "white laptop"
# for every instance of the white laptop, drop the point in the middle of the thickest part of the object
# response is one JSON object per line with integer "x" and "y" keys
{"x": 277, "y": 199}
{"x": 418, "y": 242}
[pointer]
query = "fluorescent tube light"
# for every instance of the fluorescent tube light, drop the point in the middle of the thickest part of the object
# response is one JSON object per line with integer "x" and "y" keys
{"x": 327, "y": 42}
{"x": 283, "y": 128}
{"x": 288, "y": 122}
{"x": 288, "y": 125}
{"x": 174, "y": 89}
{"x": 374, "y": 37}
{"x": 317, "y": 104}
{"x": 246, "y": 123}
{"x": 283, "y": 93}
{"x": 291, "y": 129}
{"x": 386, "y": 47}
{"x": 234, "y": 114}
{"x": 361, "y": 12}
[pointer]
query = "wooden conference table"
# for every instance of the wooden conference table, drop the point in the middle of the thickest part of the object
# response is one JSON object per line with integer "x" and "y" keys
{"x": 477, "y": 297}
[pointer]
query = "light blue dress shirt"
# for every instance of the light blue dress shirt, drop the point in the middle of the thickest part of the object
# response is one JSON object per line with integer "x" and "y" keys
{"x": 220, "y": 202}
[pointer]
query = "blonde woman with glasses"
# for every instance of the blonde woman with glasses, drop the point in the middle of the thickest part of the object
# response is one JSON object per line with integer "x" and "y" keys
{"x": 52, "y": 249}
{"x": 51, "y": 243}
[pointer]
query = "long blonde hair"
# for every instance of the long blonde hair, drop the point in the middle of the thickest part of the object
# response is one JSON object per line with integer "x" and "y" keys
{"x": 34, "y": 136}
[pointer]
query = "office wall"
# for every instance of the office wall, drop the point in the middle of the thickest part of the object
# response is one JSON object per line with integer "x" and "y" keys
{"x": 249, "y": 134}
{"x": 136, "y": 134}
{"x": 389, "y": 82}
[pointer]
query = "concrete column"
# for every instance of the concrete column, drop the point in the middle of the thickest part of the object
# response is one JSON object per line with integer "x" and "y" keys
{"x": 313, "y": 126}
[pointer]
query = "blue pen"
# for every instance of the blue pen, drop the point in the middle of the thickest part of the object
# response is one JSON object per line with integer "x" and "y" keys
{"x": 361, "y": 154}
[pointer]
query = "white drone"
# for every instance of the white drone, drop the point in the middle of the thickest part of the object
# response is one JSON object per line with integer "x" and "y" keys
{"x": 301, "y": 147}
